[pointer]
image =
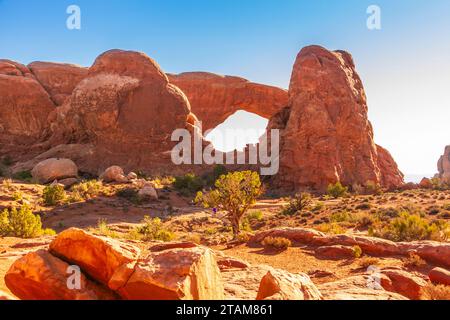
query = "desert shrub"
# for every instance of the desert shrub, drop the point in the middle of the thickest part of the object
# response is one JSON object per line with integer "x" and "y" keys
{"x": 234, "y": 193}
{"x": 242, "y": 237}
{"x": 7, "y": 185}
{"x": 337, "y": 190}
{"x": 17, "y": 196}
{"x": 341, "y": 216}
{"x": 366, "y": 262}
{"x": 357, "y": 252}
{"x": 411, "y": 227}
{"x": 194, "y": 238}
{"x": 331, "y": 228}
{"x": 363, "y": 206}
{"x": 188, "y": 184}
{"x": 105, "y": 230}
{"x": 153, "y": 229}
{"x": 211, "y": 178}
{"x": 7, "y": 161}
{"x": 22, "y": 223}
{"x": 414, "y": 260}
{"x": 53, "y": 195}
{"x": 386, "y": 214}
{"x": 435, "y": 292}
{"x": 129, "y": 194}
{"x": 277, "y": 243}
{"x": 318, "y": 206}
{"x": 297, "y": 204}
{"x": 23, "y": 176}
{"x": 255, "y": 216}
{"x": 87, "y": 189}
{"x": 373, "y": 187}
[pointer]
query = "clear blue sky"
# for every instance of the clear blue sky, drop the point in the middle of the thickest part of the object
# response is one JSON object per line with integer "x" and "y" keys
{"x": 405, "y": 66}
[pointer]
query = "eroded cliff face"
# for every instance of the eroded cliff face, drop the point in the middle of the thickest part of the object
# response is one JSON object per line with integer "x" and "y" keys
{"x": 214, "y": 98}
{"x": 327, "y": 137}
{"x": 444, "y": 165}
{"x": 24, "y": 107}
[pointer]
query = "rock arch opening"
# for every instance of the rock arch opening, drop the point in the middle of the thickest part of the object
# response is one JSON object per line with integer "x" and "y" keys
{"x": 237, "y": 131}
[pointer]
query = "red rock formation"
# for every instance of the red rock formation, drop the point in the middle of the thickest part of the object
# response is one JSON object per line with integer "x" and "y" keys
{"x": 58, "y": 79}
{"x": 327, "y": 136}
{"x": 214, "y": 98}
{"x": 444, "y": 165}
{"x": 127, "y": 110}
{"x": 24, "y": 107}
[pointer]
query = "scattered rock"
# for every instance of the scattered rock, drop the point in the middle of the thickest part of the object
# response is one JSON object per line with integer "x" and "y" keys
{"x": 335, "y": 252}
{"x": 425, "y": 183}
{"x": 54, "y": 169}
{"x": 404, "y": 283}
{"x": 357, "y": 288}
{"x": 69, "y": 182}
{"x": 148, "y": 191}
{"x": 132, "y": 176}
{"x": 226, "y": 263}
{"x": 41, "y": 276}
{"x": 172, "y": 245}
{"x": 114, "y": 174}
{"x": 177, "y": 274}
{"x": 282, "y": 285}
{"x": 99, "y": 257}
{"x": 440, "y": 276}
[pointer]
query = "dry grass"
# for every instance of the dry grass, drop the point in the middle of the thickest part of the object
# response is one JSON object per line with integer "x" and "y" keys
{"x": 436, "y": 292}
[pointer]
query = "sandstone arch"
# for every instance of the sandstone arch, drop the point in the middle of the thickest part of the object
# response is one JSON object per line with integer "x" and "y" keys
{"x": 214, "y": 98}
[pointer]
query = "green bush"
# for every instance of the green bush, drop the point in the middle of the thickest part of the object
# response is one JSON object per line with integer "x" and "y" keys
{"x": 337, "y": 190}
{"x": 22, "y": 223}
{"x": 87, "y": 189}
{"x": 297, "y": 204}
{"x": 129, "y": 194}
{"x": 411, "y": 227}
{"x": 188, "y": 184}
{"x": 23, "y": 176}
{"x": 153, "y": 229}
{"x": 234, "y": 193}
{"x": 53, "y": 195}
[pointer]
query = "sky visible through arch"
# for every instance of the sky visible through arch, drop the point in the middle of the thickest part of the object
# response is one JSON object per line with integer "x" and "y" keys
{"x": 405, "y": 66}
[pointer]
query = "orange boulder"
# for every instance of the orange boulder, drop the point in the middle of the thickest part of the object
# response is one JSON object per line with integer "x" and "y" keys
{"x": 41, "y": 276}
{"x": 99, "y": 257}
{"x": 177, "y": 274}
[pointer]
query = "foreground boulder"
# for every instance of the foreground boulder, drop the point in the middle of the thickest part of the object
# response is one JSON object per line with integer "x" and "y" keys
{"x": 97, "y": 256}
{"x": 54, "y": 169}
{"x": 327, "y": 136}
{"x": 404, "y": 283}
{"x": 282, "y": 285}
{"x": 177, "y": 274}
{"x": 41, "y": 276}
{"x": 440, "y": 276}
{"x": 214, "y": 98}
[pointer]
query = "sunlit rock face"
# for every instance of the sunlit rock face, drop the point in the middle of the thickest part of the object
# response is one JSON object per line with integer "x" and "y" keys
{"x": 444, "y": 165}
{"x": 326, "y": 135}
